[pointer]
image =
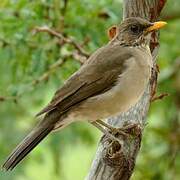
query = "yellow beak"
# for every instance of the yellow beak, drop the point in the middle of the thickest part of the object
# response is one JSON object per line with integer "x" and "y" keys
{"x": 156, "y": 26}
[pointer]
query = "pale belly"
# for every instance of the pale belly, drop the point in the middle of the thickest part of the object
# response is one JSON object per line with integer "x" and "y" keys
{"x": 115, "y": 101}
{"x": 120, "y": 98}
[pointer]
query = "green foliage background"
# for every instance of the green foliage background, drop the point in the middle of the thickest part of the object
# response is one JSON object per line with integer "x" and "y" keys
{"x": 25, "y": 56}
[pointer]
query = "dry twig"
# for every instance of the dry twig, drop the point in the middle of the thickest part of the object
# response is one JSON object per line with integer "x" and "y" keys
{"x": 161, "y": 96}
{"x": 81, "y": 55}
{"x": 67, "y": 40}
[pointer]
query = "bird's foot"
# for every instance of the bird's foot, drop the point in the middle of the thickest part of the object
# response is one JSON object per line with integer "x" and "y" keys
{"x": 113, "y": 133}
{"x": 126, "y": 131}
{"x": 106, "y": 132}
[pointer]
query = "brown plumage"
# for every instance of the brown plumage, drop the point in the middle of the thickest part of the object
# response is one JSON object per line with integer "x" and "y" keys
{"x": 111, "y": 81}
{"x": 92, "y": 79}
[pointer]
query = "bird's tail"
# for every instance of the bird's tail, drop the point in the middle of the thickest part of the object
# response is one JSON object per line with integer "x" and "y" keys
{"x": 27, "y": 145}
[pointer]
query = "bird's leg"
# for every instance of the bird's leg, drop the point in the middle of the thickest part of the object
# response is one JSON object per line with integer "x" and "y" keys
{"x": 125, "y": 131}
{"x": 111, "y": 136}
{"x": 114, "y": 130}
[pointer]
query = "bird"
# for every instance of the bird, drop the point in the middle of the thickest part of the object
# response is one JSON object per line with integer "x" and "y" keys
{"x": 110, "y": 82}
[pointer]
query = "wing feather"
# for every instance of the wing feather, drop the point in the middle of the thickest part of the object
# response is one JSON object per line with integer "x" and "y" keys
{"x": 96, "y": 76}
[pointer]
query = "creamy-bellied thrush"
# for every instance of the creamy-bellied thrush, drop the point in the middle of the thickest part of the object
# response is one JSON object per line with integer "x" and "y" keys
{"x": 110, "y": 82}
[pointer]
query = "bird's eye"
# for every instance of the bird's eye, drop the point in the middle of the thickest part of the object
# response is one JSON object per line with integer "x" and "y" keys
{"x": 135, "y": 29}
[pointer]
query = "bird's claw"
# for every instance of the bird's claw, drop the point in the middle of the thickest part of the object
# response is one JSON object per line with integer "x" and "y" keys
{"x": 126, "y": 131}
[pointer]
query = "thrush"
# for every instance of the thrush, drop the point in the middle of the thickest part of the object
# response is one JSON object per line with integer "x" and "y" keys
{"x": 110, "y": 82}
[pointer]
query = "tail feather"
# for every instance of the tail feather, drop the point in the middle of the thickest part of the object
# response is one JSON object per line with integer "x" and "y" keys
{"x": 28, "y": 144}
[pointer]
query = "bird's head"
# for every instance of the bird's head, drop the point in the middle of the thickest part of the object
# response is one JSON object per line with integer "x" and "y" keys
{"x": 134, "y": 31}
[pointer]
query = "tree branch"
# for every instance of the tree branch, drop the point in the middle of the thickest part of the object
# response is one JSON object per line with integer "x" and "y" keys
{"x": 67, "y": 40}
{"x": 114, "y": 161}
{"x": 159, "y": 97}
{"x": 80, "y": 55}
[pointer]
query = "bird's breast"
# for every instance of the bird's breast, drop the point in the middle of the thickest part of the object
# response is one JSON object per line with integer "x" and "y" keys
{"x": 128, "y": 89}
{"x": 126, "y": 93}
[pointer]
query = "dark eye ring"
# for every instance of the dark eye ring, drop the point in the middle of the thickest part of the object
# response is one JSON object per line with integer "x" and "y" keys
{"x": 135, "y": 29}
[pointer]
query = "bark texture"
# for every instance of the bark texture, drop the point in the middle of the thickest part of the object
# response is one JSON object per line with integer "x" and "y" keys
{"x": 114, "y": 161}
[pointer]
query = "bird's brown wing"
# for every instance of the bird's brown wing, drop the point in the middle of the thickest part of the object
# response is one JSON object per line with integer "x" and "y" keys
{"x": 96, "y": 76}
